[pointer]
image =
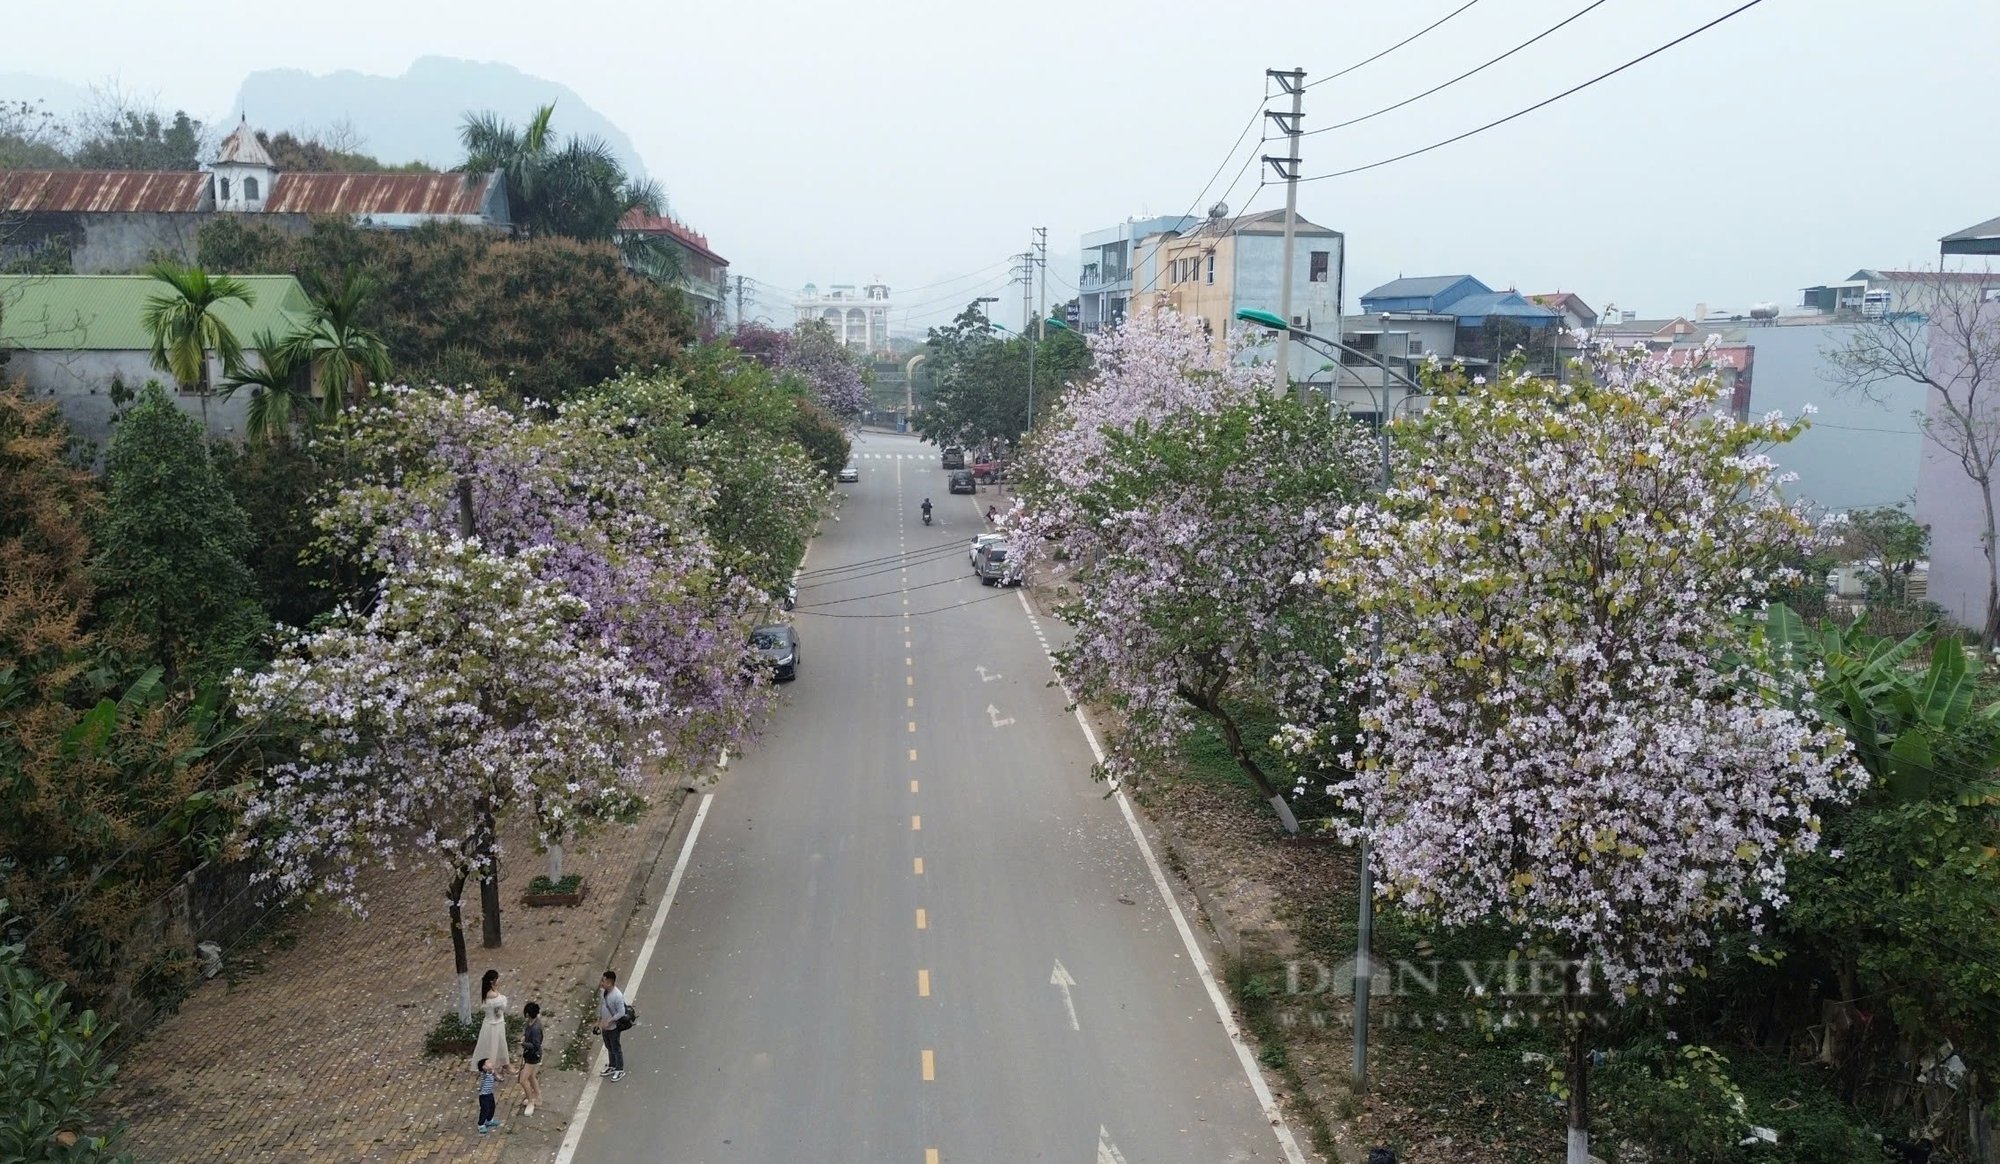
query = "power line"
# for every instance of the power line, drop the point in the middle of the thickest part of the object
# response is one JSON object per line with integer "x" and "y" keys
{"x": 1608, "y": 74}
{"x": 1392, "y": 48}
{"x": 999, "y": 593}
{"x": 1455, "y": 80}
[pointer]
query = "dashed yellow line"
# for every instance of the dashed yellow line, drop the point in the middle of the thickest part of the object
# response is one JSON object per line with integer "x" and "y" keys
{"x": 913, "y": 753}
{"x": 913, "y": 786}
{"x": 923, "y": 984}
{"x": 930, "y": 1066}
{"x": 909, "y": 701}
{"x": 921, "y": 923}
{"x": 908, "y": 662}
{"x": 920, "y": 866}
{"x": 930, "y": 1156}
{"x": 916, "y": 823}
{"x": 909, "y": 680}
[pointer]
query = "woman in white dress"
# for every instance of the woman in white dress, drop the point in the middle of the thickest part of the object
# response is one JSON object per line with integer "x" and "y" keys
{"x": 492, "y": 1042}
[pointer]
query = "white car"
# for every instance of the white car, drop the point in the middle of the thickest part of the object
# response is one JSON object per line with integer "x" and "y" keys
{"x": 982, "y": 541}
{"x": 848, "y": 474}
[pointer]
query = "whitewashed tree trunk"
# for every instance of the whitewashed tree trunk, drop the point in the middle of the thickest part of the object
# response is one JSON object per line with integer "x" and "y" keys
{"x": 555, "y": 863}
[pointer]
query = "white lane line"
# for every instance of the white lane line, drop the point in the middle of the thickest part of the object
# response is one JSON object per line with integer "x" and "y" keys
{"x": 574, "y": 1136}
{"x": 1258, "y": 1087}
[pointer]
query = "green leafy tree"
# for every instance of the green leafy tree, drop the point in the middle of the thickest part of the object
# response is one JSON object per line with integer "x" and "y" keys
{"x": 135, "y": 139}
{"x": 979, "y": 380}
{"x": 337, "y": 343}
{"x": 171, "y": 546}
{"x": 575, "y": 188}
{"x": 1891, "y": 542}
{"x": 52, "y": 1066}
{"x": 278, "y": 484}
{"x": 280, "y": 396}
{"x": 184, "y": 325}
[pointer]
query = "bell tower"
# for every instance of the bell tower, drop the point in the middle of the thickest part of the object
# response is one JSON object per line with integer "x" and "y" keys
{"x": 244, "y": 171}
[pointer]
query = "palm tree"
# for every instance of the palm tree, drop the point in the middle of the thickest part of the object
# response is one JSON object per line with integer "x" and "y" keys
{"x": 279, "y": 395}
{"x": 348, "y": 355}
{"x": 184, "y": 323}
{"x": 577, "y": 189}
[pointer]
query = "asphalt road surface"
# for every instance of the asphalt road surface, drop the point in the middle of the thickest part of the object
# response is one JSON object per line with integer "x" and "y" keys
{"x": 909, "y": 927}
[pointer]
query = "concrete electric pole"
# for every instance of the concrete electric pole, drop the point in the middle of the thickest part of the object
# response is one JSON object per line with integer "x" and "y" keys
{"x": 1287, "y": 167}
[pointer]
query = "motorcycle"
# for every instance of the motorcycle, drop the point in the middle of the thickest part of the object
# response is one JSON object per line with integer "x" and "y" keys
{"x": 927, "y": 517}
{"x": 791, "y": 597}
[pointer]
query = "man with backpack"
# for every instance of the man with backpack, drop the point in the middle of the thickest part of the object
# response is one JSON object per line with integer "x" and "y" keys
{"x": 614, "y": 1018}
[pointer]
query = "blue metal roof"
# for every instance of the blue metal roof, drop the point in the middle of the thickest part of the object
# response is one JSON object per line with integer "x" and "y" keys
{"x": 1511, "y": 304}
{"x": 1419, "y": 287}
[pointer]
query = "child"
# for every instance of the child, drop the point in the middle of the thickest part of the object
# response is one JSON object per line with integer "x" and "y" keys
{"x": 487, "y": 1082}
{"x": 531, "y": 1057}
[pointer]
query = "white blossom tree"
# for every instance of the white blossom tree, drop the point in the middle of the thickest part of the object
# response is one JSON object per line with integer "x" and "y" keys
{"x": 468, "y": 689}
{"x": 1548, "y": 737}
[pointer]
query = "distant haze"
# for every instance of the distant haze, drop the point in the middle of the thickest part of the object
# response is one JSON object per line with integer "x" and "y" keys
{"x": 415, "y": 117}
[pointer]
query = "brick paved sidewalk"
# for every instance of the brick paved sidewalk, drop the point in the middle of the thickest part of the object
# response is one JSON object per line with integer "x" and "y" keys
{"x": 319, "y": 1056}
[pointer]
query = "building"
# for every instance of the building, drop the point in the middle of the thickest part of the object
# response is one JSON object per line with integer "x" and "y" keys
{"x": 1104, "y": 276}
{"x": 1224, "y": 265}
{"x": 859, "y": 316}
{"x": 81, "y": 340}
{"x": 1983, "y": 239}
{"x": 1576, "y": 314}
{"x": 704, "y": 275}
{"x": 112, "y": 221}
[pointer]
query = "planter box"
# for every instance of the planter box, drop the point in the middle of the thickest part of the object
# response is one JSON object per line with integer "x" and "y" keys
{"x": 576, "y": 898}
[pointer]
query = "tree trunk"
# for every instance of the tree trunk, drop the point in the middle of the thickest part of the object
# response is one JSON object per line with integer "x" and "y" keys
{"x": 489, "y": 880}
{"x": 462, "y": 963}
{"x": 555, "y": 862}
{"x": 1990, "y": 635}
{"x": 1578, "y": 1070}
{"x": 1233, "y": 737}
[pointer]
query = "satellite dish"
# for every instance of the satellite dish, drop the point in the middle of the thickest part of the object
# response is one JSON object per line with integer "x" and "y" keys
{"x": 1219, "y": 210}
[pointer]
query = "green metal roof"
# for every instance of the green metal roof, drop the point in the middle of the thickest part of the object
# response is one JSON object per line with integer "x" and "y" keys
{"x": 107, "y": 312}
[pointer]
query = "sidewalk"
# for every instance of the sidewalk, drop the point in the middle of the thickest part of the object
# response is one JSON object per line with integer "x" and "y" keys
{"x": 319, "y": 1056}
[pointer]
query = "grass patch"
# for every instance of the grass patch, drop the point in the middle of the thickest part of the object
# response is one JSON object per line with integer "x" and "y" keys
{"x": 541, "y": 883}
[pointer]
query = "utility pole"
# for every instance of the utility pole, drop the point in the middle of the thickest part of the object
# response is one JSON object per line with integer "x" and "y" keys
{"x": 1287, "y": 167}
{"x": 1039, "y": 254}
{"x": 739, "y": 301}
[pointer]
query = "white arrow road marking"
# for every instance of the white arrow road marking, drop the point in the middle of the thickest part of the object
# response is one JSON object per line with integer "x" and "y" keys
{"x": 1060, "y": 978}
{"x": 1107, "y": 1152}
{"x": 983, "y": 676}
{"x": 993, "y": 713}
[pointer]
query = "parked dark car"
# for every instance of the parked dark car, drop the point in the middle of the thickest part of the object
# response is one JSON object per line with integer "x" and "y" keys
{"x": 961, "y": 481}
{"x": 954, "y": 457}
{"x": 779, "y": 645}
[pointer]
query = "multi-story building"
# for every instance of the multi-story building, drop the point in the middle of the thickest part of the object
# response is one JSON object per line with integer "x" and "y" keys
{"x": 704, "y": 275}
{"x": 858, "y": 315}
{"x": 1223, "y": 265}
{"x": 1104, "y": 278}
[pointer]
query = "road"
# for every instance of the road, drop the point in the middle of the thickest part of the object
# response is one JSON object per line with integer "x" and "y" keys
{"x": 860, "y": 962}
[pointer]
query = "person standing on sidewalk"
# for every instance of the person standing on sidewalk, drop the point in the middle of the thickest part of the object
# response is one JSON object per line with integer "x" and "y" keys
{"x": 531, "y": 1057}
{"x": 488, "y": 1081}
{"x": 611, "y": 1024}
{"x": 492, "y": 1043}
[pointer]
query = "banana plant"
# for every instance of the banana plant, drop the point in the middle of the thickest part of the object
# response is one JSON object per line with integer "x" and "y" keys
{"x": 1896, "y": 715}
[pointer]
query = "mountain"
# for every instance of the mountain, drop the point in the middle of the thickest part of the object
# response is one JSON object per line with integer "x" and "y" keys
{"x": 415, "y": 117}
{"x": 62, "y": 98}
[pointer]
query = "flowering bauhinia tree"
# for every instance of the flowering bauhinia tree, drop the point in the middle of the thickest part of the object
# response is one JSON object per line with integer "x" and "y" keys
{"x": 625, "y": 535}
{"x": 1190, "y": 500}
{"x": 471, "y": 687}
{"x": 814, "y": 352}
{"x": 1549, "y": 739}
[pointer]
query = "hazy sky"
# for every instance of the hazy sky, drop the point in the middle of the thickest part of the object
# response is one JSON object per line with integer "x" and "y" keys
{"x": 917, "y": 140}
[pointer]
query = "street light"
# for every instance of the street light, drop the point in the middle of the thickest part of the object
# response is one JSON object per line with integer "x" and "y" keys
{"x": 1365, "y": 930}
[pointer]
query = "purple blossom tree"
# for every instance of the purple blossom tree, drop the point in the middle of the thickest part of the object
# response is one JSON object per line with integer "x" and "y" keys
{"x": 1191, "y": 541}
{"x": 1550, "y": 740}
{"x": 470, "y": 688}
{"x": 829, "y": 371}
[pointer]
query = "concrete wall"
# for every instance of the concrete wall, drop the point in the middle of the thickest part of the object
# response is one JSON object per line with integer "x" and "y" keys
{"x": 1949, "y": 502}
{"x": 1860, "y": 452}
{"x": 80, "y": 383}
{"x": 1259, "y": 276}
{"x": 121, "y": 244}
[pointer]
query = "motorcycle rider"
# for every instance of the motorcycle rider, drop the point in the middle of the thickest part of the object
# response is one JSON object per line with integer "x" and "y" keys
{"x": 927, "y": 511}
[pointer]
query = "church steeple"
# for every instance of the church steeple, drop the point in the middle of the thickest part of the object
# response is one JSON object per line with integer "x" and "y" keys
{"x": 244, "y": 171}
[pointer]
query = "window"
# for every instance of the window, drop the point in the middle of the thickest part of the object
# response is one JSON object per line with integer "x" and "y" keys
{"x": 1211, "y": 268}
{"x": 1319, "y": 263}
{"x": 223, "y": 184}
{"x": 250, "y": 189}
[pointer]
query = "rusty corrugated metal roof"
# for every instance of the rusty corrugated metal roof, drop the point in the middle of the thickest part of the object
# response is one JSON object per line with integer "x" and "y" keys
{"x": 103, "y": 191}
{"x": 637, "y": 221}
{"x": 440, "y": 194}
